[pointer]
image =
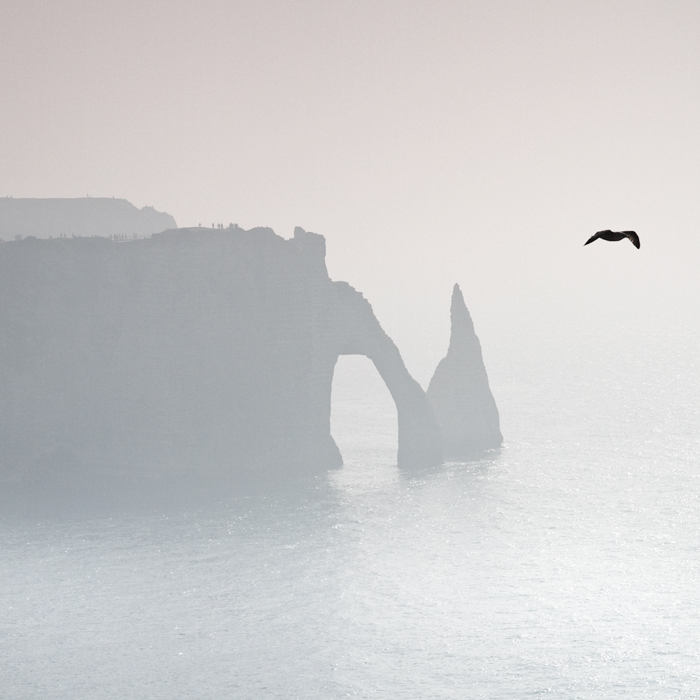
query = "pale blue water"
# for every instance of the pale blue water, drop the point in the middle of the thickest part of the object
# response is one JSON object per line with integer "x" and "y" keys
{"x": 567, "y": 565}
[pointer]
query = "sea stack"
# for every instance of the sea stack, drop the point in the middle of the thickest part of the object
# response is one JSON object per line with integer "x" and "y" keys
{"x": 459, "y": 391}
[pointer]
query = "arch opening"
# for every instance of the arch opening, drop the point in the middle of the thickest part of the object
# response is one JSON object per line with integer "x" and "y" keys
{"x": 364, "y": 418}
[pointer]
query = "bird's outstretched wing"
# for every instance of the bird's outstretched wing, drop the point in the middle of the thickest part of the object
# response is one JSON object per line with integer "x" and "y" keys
{"x": 632, "y": 235}
{"x": 591, "y": 239}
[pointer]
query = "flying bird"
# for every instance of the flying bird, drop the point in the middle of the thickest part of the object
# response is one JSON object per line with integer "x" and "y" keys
{"x": 615, "y": 236}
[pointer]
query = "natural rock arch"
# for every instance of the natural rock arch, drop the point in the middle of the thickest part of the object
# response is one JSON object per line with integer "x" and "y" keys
{"x": 359, "y": 333}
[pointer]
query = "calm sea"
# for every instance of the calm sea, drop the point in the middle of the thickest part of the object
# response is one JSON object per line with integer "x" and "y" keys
{"x": 566, "y": 565}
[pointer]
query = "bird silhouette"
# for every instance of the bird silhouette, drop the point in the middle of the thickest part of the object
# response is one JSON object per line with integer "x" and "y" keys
{"x": 615, "y": 236}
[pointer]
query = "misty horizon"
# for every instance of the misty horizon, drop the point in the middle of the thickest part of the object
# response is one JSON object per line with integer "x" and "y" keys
{"x": 457, "y": 142}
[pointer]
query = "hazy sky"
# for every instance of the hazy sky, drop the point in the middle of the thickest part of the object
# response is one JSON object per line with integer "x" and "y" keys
{"x": 430, "y": 142}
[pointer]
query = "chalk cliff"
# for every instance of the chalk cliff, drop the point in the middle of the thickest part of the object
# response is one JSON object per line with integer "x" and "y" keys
{"x": 459, "y": 391}
{"x": 190, "y": 355}
{"x": 84, "y": 216}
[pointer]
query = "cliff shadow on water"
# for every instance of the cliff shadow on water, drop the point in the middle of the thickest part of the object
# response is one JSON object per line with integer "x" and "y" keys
{"x": 199, "y": 362}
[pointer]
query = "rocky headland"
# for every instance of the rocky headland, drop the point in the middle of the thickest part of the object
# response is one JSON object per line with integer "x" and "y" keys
{"x": 82, "y": 216}
{"x": 202, "y": 356}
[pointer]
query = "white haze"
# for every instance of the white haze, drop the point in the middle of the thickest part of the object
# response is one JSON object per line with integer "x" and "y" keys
{"x": 430, "y": 143}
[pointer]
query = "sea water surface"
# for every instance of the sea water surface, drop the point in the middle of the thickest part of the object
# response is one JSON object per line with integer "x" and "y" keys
{"x": 565, "y": 565}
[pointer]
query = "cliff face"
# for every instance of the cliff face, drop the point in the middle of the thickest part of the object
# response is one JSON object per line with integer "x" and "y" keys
{"x": 190, "y": 354}
{"x": 459, "y": 391}
{"x": 86, "y": 216}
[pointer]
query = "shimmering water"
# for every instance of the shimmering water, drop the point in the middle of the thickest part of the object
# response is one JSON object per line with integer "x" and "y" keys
{"x": 567, "y": 565}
